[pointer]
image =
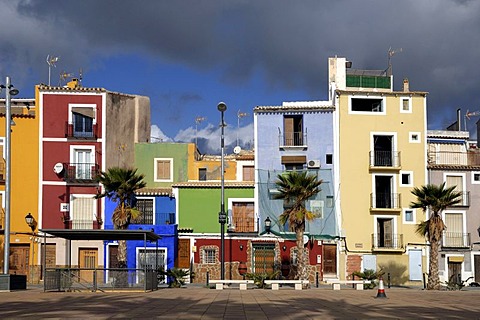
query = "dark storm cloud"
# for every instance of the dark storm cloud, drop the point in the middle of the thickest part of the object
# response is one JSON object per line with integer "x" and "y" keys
{"x": 287, "y": 41}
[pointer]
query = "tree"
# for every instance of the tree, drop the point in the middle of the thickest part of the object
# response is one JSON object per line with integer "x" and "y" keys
{"x": 295, "y": 188}
{"x": 435, "y": 199}
{"x": 119, "y": 185}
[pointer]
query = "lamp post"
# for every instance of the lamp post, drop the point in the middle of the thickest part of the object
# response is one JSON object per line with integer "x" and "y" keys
{"x": 30, "y": 220}
{"x": 222, "y": 217}
{"x": 9, "y": 91}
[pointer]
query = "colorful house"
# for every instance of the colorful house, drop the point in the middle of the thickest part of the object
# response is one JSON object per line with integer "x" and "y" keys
{"x": 297, "y": 136}
{"x": 24, "y": 249}
{"x": 82, "y": 131}
{"x": 380, "y": 143}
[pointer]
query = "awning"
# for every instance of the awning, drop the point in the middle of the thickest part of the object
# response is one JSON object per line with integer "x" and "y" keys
{"x": 87, "y": 112}
{"x": 294, "y": 159}
{"x": 455, "y": 259}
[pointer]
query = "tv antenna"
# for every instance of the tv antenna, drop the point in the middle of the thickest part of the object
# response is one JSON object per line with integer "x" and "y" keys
{"x": 391, "y": 53}
{"x": 239, "y": 116}
{"x": 198, "y": 120}
{"x": 51, "y": 61}
{"x": 63, "y": 77}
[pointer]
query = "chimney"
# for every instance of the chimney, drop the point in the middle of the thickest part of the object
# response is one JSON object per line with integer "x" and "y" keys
{"x": 406, "y": 87}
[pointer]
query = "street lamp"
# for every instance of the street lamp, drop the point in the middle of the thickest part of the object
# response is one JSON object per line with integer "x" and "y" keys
{"x": 222, "y": 217}
{"x": 10, "y": 91}
{"x": 30, "y": 220}
{"x": 268, "y": 225}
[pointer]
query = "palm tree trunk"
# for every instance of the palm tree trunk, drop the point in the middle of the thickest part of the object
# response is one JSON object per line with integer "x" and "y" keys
{"x": 300, "y": 256}
{"x": 433, "y": 278}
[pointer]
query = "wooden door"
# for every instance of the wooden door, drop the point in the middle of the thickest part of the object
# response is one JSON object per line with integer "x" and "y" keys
{"x": 263, "y": 258}
{"x": 19, "y": 259}
{"x": 477, "y": 267}
{"x": 183, "y": 257}
{"x": 87, "y": 259}
{"x": 454, "y": 272}
{"x": 329, "y": 259}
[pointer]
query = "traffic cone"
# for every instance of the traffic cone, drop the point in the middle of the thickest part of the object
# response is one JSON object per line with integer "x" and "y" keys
{"x": 381, "y": 289}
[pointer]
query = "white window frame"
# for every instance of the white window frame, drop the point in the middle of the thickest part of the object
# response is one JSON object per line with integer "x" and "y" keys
{"x": 409, "y": 104}
{"x": 384, "y": 105}
{"x": 240, "y": 165}
{"x": 155, "y": 160}
{"x": 394, "y": 182}
{"x": 72, "y": 206}
{"x": 74, "y": 148}
{"x": 464, "y": 220}
{"x": 410, "y": 173}
{"x": 457, "y": 174}
{"x": 379, "y": 133}
{"x": 81, "y": 105}
{"x": 473, "y": 177}
{"x": 137, "y": 251}
{"x": 411, "y": 136}
{"x": 414, "y": 216}
{"x": 203, "y": 255}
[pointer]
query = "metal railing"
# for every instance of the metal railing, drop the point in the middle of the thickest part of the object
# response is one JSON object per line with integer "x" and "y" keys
{"x": 385, "y": 201}
{"x": 81, "y": 172}
{"x": 456, "y": 240}
{"x": 83, "y": 224}
{"x": 387, "y": 241}
{"x": 71, "y": 133}
{"x": 293, "y": 139}
{"x": 464, "y": 199}
{"x": 389, "y": 159}
{"x": 88, "y": 279}
{"x": 243, "y": 224}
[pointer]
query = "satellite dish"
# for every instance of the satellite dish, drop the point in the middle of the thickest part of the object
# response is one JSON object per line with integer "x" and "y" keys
{"x": 237, "y": 150}
{"x": 58, "y": 167}
{"x": 305, "y": 239}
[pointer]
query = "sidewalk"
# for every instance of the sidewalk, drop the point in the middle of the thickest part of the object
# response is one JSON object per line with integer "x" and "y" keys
{"x": 202, "y": 303}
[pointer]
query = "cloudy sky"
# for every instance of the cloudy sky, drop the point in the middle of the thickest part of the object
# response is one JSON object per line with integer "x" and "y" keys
{"x": 189, "y": 55}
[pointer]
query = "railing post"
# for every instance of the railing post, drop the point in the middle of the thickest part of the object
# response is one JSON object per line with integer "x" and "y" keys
{"x": 94, "y": 280}
{"x": 388, "y": 278}
{"x": 208, "y": 278}
{"x": 316, "y": 279}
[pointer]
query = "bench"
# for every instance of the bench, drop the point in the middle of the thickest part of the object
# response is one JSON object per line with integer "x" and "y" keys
{"x": 298, "y": 283}
{"x": 219, "y": 284}
{"x": 358, "y": 283}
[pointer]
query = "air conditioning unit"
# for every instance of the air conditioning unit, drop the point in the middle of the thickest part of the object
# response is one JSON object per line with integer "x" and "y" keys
{"x": 312, "y": 164}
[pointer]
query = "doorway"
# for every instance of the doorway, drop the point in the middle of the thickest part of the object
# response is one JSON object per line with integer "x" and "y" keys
{"x": 19, "y": 259}
{"x": 329, "y": 260}
{"x": 263, "y": 258}
{"x": 87, "y": 259}
{"x": 415, "y": 265}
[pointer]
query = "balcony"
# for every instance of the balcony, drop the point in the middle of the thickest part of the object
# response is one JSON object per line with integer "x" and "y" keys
{"x": 82, "y": 224}
{"x": 161, "y": 218}
{"x": 387, "y": 242}
{"x": 385, "y": 202}
{"x": 455, "y": 240}
{"x": 385, "y": 160}
{"x": 242, "y": 224}
{"x": 84, "y": 134}
{"x": 464, "y": 199}
{"x": 292, "y": 139}
{"x": 80, "y": 172}
{"x": 448, "y": 158}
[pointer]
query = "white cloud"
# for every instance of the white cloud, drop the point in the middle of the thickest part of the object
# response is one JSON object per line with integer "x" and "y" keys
{"x": 157, "y": 135}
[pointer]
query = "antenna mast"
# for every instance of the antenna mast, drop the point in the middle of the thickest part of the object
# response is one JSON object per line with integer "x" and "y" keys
{"x": 391, "y": 53}
{"x": 51, "y": 60}
{"x": 198, "y": 120}
{"x": 239, "y": 116}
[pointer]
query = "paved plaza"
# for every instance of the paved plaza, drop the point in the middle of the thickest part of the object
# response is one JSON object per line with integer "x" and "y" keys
{"x": 203, "y": 303}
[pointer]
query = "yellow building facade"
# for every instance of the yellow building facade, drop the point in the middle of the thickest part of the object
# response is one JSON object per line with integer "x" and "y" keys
{"x": 24, "y": 243}
{"x": 381, "y": 143}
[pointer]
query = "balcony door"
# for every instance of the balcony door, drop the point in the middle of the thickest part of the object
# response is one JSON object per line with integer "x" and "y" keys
{"x": 383, "y": 150}
{"x": 385, "y": 232}
{"x": 383, "y": 191}
{"x": 293, "y": 128}
{"x": 454, "y": 235}
{"x": 456, "y": 181}
{"x": 83, "y": 164}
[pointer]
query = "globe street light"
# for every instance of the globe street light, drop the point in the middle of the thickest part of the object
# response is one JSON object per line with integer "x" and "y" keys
{"x": 9, "y": 91}
{"x": 222, "y": 217}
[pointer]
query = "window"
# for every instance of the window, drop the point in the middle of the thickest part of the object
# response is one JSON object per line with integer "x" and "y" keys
{"x": 82, "y": 120}
{"x": 458, "y": 182}
{"x": 294, "y": 167}
{"x": 82, "y": 211}
{"x": 384, "y": 196}
{"x": 406, "y": 179}
{"x": 414, "y": 137}
{"x": 209, "y": 256}
{"x": 243, "y": 216}
{"x": 163, "y": 170}
{"x": 316, "y": 207}
{"x": 329, "y": 158}
{"x": 329, "y": 201}
{"x": 146, "y": 207}
{"x": 202, "y": 174}
{"x": 383, "y": 151}
{"x": 405, "y": 105}
{"x": 475, "y": 177}
{"x": 83, "y": 164}
{"x": 385, "y": 237}
{"x": 248, "y": 173}
{"x": 150, "y": 259}
{"x": 454, "y": 235}
{"x": 409, "y": 216}
{"x": 293, "y": 128}
{"x": 367, "y": 105}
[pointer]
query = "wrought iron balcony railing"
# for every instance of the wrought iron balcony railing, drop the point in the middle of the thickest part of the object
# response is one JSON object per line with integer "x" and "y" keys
{"x": 385, "y": 159}
{"x": 161, "y": 218}
{"x": 455, "y": 240}
{"x": 82, "y": 224}
{"x": 70, "y": 132}
{"x": 293, "y": 139}
{"x": 80, "y": 172}
{"x": 464, "y": 199}
{"x": 391, "y": 241}
{"x": 241, "y": 224}
{"x": 385, "y": 201}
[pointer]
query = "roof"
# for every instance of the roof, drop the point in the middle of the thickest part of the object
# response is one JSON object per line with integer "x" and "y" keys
{"x": 154, "y": 192}
{"x": 375, "y": 93}
{"x": 214, "y": 184}
{"x": 98, "y": 234}
{"x": 44, "y": 87}
{"x": 448, "y": 134}
{"x": 298, "y": 106}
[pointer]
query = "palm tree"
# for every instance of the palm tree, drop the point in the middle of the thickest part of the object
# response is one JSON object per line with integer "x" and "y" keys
{"x": 436, "y": 199}
{"x": 119, "y": 185}
{"x": 295, "y": 188}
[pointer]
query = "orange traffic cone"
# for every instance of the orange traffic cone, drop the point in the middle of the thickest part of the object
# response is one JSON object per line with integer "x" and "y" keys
{"x": 381, "y": 290}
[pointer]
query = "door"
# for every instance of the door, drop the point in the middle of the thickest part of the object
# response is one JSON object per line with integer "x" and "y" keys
{"x": 48, "y": 255}
{"x": 19, "y": 259}
{"x": 83, "y": 165}
{"x": 183, "y": 260}
{"x": 383, "y": 191}
{"x": 112, "y": 261}
{"x": 329, "y": 259}
{"x": 87, "y": 259}
{"x": 263, "y": 258}
{"x": 455, "y": 272}
{"x": 415, "y": 265}
{"x": 385, "y": 233}
{"x": 383, "y": 147}
{"x": 476, "y": 261}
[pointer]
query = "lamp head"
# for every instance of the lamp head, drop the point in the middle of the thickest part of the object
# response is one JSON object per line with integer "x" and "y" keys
{"x": 222, "y": 107}
{"x": 14, "y": 92}
{"x": 268, "y": 224}
{"x": 30, "y": 220}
